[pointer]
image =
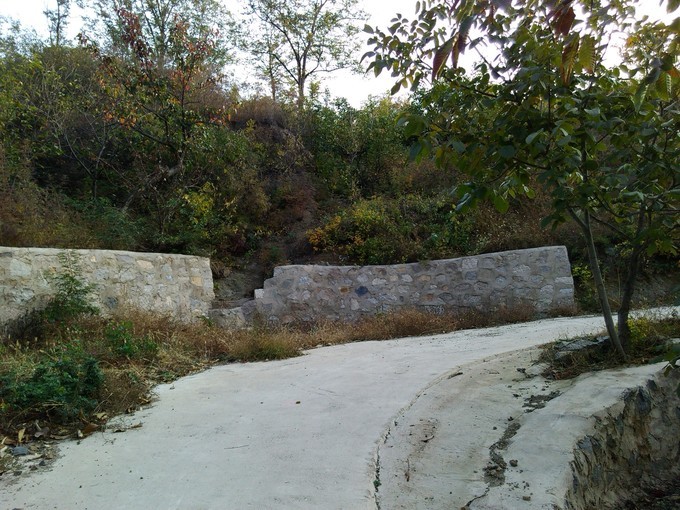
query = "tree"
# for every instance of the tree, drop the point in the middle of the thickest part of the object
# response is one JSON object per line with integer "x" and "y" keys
{"x": 303, "y": 38}
{"x": 164, "y": 93}
{"x": 57, "y": 19}
{"x": 547, "y": 113}
{"x": 203, "y": 19}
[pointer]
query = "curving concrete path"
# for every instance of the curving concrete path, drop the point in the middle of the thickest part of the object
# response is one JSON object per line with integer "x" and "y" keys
{"x": 299, "y": 433}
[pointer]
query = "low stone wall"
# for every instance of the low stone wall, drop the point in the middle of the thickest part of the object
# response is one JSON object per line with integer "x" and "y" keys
{"x": 539, "y": 277}
{"x": 180, "y": 286}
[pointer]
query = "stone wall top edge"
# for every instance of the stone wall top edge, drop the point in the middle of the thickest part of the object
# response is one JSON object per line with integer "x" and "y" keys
{"x": 413, "y": 264}
{"x": 32, "y": 250}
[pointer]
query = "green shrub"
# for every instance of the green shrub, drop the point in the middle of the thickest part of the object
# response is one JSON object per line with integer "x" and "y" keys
{"x": 73, "y": 296}
{"x": 586, "y": 294}
{"x": 385, "y": 231}
{"x": 58, "y": 390}
{"x": 72, "y": 300}
{"x": 113, "y": 228}
{"x": 123, "y": 342}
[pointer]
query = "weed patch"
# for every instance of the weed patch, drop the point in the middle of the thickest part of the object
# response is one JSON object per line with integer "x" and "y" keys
{"x": 651, "y": 342}
{"x": 58, "y": 389}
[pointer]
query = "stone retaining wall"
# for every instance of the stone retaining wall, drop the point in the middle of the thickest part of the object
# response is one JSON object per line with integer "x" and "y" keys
{"x": 634, "y": 444}
{"x": 177, "y": 285}
{"x": 539, "y": 277}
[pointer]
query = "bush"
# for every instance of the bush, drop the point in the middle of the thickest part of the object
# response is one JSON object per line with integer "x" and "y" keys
{"x": 73, "y": 295}
{"x": 586, "y": 294}
{"x": 123, "y": 342}
{"x": 357, "y": 152}
{"x": 62, "y": 389}
{"x": 387, "y": 231}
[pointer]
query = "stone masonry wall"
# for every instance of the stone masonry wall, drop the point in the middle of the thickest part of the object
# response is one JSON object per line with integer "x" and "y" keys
{"x": 176, "y": 285}
{"x": 539, "y": 277}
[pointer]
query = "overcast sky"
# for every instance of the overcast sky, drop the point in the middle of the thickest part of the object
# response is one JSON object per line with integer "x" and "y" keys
{"x": 355, "y": 88}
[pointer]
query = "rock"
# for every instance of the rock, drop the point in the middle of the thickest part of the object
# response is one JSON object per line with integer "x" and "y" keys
{"x": 569, "y": 347}
{"x": 231, "y": 318}
{"x": 20, "y": 451}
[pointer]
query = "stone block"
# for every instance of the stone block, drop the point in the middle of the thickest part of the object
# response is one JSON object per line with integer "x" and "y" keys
{"x": 231, "y": 318}
{"x": 470, "y": 263}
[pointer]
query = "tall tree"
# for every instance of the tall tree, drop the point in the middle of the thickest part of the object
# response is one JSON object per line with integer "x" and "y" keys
{"x": 157, "y": 21}
{"x": 57, "y": 19}
{"x": 604, "y": 147}
{"x": 304, "y": 38}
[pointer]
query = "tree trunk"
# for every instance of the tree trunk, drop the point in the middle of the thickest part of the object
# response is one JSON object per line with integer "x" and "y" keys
{"x": 599, "y": 283}
{"x": 633, "y": 267}
{"x": 301, "y": 95}
{"x": 627, "y": 298}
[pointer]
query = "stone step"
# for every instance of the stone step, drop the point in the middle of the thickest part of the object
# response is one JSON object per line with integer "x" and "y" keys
{"x": 233, "y": 318}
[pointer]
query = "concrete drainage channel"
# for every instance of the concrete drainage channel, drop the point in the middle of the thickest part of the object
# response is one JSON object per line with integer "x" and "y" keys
{"x": 497, "y": 435}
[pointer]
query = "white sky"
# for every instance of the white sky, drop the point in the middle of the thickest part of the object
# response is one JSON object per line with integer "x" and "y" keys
{"x": 355, "y": 88}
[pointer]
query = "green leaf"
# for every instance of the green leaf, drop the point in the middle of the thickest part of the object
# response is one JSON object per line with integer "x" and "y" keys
{"x": 507, "y": 151}
{"x": 587, "y": 53}
{"x": 568, "y": 59}
{"x": 416, "y": 150}
{"x": 458, "y": 146}
{"x": 639, "y": 97}
{"x": 565, "y": 140}
{"x": 368, "y": 29}
{"x": 500, "y": 203}
{"x": 533, "y": 136}
{"x": 414, "y": 125}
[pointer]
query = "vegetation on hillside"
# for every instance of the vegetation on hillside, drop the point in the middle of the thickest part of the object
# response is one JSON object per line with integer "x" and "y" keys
{"x": 600, "y": 143}
{"x": 135, "y": 138}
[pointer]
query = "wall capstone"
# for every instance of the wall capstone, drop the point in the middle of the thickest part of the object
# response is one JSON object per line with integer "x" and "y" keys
{"x": 538, "y": 277}
{"x": 180, "y": 286}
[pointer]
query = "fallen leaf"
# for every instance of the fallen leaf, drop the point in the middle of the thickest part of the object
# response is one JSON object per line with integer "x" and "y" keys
{"x": 101, "y": 416}
{"x": 90, "y": 428}
{"x": 40, "y": 431}
{"x": 136, "y": 426}
{"x": 20, "y": 436}
{"x": 45, "y": 433}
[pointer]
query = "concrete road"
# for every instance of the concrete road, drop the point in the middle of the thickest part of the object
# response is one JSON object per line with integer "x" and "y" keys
{"x": 299, "y": 433}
